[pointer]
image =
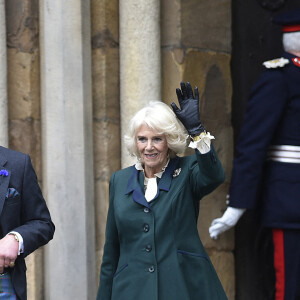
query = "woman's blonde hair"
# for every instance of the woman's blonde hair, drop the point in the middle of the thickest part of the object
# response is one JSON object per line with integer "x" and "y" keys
{"x": 161, "y": 118}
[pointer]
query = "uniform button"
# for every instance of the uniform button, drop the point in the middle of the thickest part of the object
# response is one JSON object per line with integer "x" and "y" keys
{"x": 146, "y": 210}
{"x": 148, "y": 248}
{"x": 151, "y": 269}
{"x": 146, "y": 227}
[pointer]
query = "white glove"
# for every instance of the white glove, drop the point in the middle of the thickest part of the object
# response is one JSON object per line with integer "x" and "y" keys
{"x": 228, "y": 220}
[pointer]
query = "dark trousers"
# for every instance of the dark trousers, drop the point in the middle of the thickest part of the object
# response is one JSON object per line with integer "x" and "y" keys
{"x": 278, "y": 254}
{"x": 286, "y": 244}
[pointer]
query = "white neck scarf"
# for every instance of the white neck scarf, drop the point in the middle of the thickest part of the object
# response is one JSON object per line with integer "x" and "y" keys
{"x": 151, "y": 189}
{"x": 151, "y": 183}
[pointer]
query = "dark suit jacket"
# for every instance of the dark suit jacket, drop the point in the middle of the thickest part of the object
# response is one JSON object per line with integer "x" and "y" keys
{"x": 153, "y": 250}
{"x": 25, "y": 211}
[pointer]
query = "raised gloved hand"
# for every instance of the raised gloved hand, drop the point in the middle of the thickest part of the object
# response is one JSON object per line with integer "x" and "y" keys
{"x": 228, "y": 220}
{"x": 188, "y": 113}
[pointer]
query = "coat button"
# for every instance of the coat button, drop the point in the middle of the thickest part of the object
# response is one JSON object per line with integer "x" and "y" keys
{"x": 151, "y": 269}
{"x": 148, "y": 248}
{"x": 146, "y": 210}
{"x": 146, "y": 227}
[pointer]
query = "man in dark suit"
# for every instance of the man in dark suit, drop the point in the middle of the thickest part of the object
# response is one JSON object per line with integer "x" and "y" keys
{"x": 25, "y": 222}
{"x": 266, "y": 169}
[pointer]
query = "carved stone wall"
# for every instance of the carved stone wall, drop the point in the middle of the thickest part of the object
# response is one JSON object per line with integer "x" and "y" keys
{"x": 199, "y": 51}
{"x": 106, "y": 108}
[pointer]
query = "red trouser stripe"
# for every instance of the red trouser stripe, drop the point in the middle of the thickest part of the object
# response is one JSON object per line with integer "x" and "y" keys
{"x": 279, "y": 263}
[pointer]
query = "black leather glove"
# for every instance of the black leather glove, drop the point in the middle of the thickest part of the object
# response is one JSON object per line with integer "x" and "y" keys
{"x": 189, "y": 113}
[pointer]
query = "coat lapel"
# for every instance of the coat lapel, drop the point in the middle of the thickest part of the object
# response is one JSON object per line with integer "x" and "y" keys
{"x": 164, "y": 184}
{"x": 166, "y": 180}
{"x": 4, "y": 182}
{"x": 135, "y": 187}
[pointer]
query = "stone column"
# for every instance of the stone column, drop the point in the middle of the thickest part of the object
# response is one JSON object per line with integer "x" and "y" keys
{"x": 67, "y": 152}
{"x": 3, "y": 80}
{"x": 140, "y": 66}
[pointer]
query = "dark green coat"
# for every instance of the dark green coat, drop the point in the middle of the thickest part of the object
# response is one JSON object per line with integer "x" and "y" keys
{"x": 153, "y": 250}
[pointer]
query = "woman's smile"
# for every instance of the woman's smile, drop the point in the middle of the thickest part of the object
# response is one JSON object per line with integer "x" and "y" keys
{"x": 151, "y": 155}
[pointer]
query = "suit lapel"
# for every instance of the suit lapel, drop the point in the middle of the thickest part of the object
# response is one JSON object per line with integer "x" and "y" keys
{"x": 4, "y": 182}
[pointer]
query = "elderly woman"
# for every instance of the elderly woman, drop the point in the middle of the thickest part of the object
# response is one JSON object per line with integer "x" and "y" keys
{"x": 152, "y": 249}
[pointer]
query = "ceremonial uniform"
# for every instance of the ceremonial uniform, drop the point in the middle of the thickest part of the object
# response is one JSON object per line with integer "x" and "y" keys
{"x": 266, "y": 170}
{"x": 269, "y": 148}
{"x": 266, "y": 167}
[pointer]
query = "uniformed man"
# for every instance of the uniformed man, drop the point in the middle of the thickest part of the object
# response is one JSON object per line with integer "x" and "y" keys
{"x": 266, "y": 168}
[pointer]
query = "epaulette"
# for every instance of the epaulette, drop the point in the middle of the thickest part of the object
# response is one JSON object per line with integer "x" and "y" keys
{"x": 276, "y": 63}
